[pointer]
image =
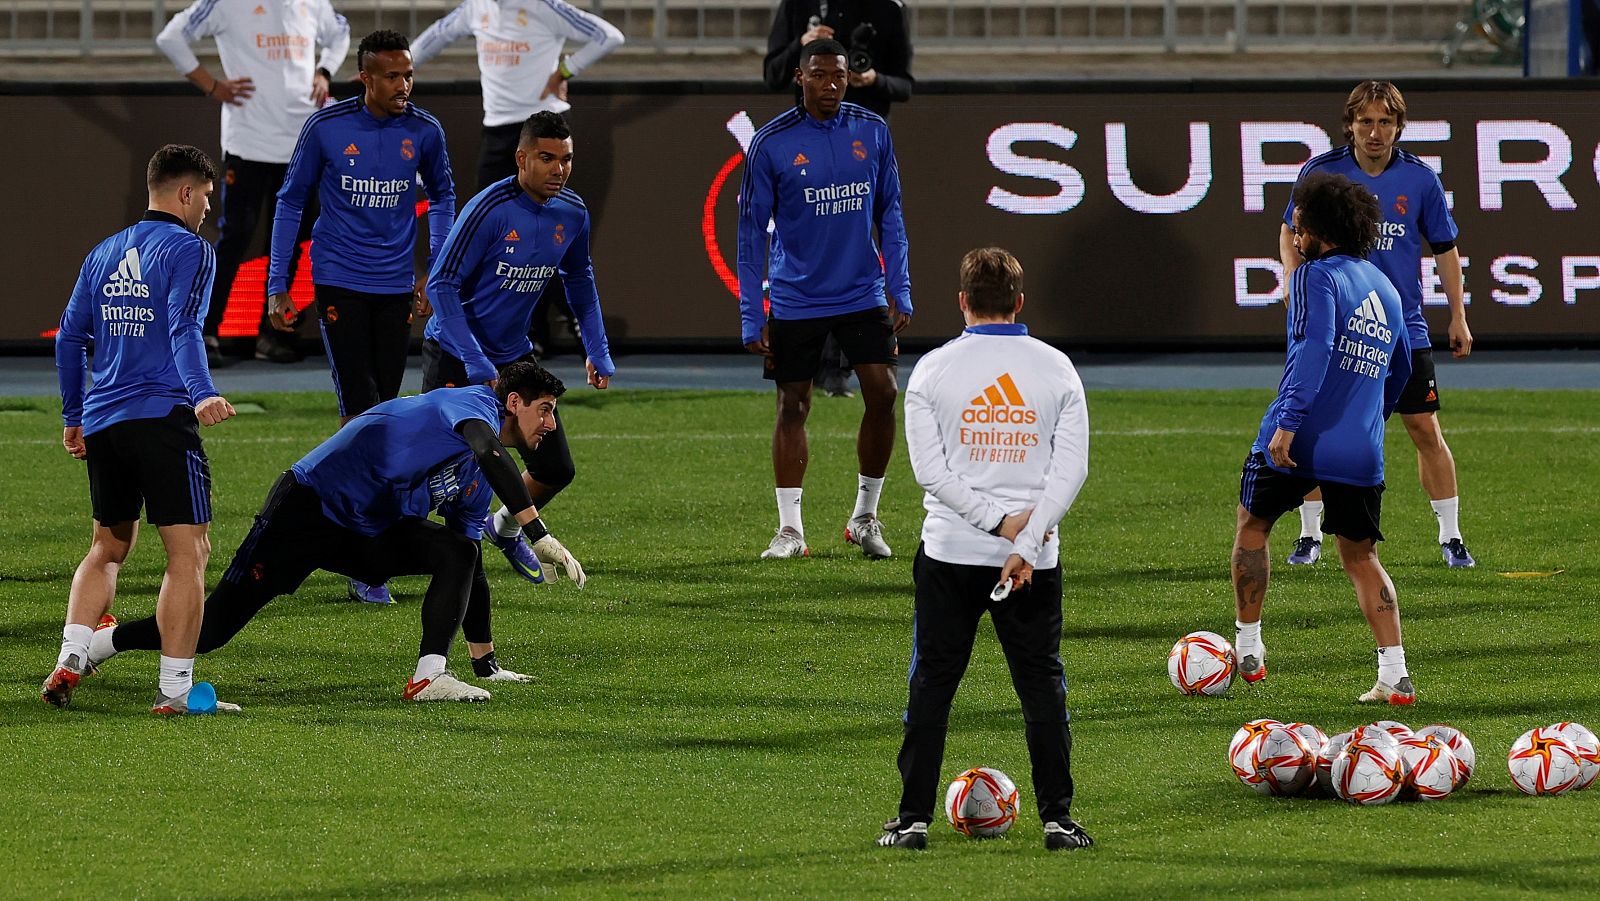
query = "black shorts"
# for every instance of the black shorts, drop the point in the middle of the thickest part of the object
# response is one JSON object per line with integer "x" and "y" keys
{"x": 367, "y": 337}
{"x": 1349, "y": 511}
{"x": 1421, "y": 394}
{"x": 866, "y": 337}
{"x": 157, "y": 464}
{"x": 550, "y": 463}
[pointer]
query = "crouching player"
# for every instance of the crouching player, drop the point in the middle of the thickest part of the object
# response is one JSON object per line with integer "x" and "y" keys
{"x": 358, "y": 505}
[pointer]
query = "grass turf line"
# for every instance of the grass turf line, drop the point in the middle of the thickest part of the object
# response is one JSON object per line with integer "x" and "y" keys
{"x": 706, "y": 723}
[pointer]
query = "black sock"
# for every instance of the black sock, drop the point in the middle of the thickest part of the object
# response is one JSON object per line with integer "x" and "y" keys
{"x": 485, "y": 666}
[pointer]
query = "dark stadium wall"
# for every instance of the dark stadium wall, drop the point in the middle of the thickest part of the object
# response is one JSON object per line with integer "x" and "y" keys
{"x": 1145, "y": 213}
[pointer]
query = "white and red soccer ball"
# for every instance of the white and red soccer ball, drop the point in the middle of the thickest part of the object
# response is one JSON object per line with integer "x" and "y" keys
{"x": 982, "y": 802}
{"x": 1465, "y": 755}
{"x": 1284, "y": 763}
{"x": 1428, "y": 768}
{"x": 1544, "y": 762}
{"x": 1588, "y": 748}
{"x": 1201, "y": 663}
{"x": 1367, "y": 771}
{"x": 1243, "y": 752}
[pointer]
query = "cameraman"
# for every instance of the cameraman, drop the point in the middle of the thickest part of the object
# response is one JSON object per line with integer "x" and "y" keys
{"x": 874, "y": 33}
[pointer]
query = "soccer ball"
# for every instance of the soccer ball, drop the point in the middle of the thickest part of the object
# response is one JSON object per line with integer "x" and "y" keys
{"x": 1242, "y": 751}
{"x": 1400, "y": 731}
{"x": 1330, "y": 751}
{"x": 1201, "y": 663}
{"x": 1465, "y": 755}
{"x": 1285, "y": 764}
{"x": 982, "y": 802}
{"x": 1429, "y": 768}
{"x": 1315, "y": 738}
{"x": 1588, "y": 751}
{"x": 1543, "y": 762}
{"x": 1367, "y": 771}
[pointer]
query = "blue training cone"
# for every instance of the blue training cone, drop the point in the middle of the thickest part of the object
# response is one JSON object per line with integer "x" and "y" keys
{"x": 202, "y": 699}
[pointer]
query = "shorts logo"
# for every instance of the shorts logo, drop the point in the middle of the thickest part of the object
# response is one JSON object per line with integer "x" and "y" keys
{"x": 800, "y": 159}
{"x": 331, "y": 314}
{"x": 352, "y": 150}
{"x": 407, "y": 149}
{"x": 227, "y": 177}
{"x": 1432, "y": 396}
{"x": 258, "y": 571}
{"x": 1400, "y": 204}
{"x": 858, "y": 150}
{"x": 1000, "y": 402}
{"x": 560, "y": 234}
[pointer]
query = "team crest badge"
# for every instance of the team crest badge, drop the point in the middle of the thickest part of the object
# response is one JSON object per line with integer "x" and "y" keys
{"x": 407, "y": 149}
{"x": 858, "y": 150}
{"x": 1400, "y": 204}
{"x": 560, "y": 234}
{"x": 331, "y": 314}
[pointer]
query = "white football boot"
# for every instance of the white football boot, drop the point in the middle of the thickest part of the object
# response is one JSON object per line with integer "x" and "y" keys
{"x": 443, "y": 687}
{"x": 786, "y": 543}
{"x": 866, "y": 531}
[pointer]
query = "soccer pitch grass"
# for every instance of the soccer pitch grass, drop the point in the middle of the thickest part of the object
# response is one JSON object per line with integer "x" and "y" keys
{"x": 707, "y": 724}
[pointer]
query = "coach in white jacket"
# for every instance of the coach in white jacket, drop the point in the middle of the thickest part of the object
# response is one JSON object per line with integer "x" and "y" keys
{"x": 998, "y": 431}
{"x": 521, "y": 64}
{"x": 272, "y": 82}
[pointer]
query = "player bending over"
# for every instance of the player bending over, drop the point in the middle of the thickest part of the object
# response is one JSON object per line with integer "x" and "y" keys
{"x": 358, "y": 505}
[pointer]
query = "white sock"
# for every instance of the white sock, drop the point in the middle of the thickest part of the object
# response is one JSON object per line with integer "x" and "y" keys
{"x": 1247, "y": 640}
{"x": 101, "y": 646}
{"x": 1311, "y": 520}
{"x": 789, "y": 509}
{"x": 1392, "y": 665}
{"x": 1448, "y": 512}
{"x": 505, "y": 525}
{"x": 428, "y": 666}
{"x": 75, "y": 640}
{"x": 177, "y": 676}
{"x": 868, "y": 491}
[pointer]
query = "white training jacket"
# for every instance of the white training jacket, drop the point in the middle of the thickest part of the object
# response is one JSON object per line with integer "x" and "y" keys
{"x": 272, "y": 42}
{"x": 519, "y": 45}
{"x": 996, "y": 422}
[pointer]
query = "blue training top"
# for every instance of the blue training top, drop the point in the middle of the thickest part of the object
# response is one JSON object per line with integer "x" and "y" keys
{"x": 1414, "y": 211}
{"x": 365, "y": 171}
{"x": 404, "y": 458}
{"x": 826, "y": 184}
{"x": 140, "y": 298}
{"x": 1347, "y": 364}
{"x": 494, "y": 265}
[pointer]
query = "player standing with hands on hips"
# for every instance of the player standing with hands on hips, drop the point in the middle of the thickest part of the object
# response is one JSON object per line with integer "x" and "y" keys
{"x": 512, "y": 238}
{"x": 998, "y": 430}
{"x": 824, "y": 174}
{"x": 140, "y": 299}
{"x": 1414, "y": 212}
{"x": 1348, "y": 361}
{"x": 270, "y": 86}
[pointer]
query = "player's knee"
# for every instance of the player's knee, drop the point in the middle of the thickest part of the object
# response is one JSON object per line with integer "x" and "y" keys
{"x": 793, "y": 407}
{"x": 880, "y": 395}
{"x": 455, "y": 553}
{"x": 555, "y": 474}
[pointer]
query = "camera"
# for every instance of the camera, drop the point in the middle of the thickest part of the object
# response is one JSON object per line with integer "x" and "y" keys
{"x": 861, "y": 38}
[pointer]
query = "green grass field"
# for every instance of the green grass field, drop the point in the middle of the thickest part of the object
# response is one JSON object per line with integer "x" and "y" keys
{"x": 705, "y": 724}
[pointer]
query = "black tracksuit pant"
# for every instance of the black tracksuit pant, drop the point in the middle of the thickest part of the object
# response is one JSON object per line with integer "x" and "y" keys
{"x": 248, "y": 189}
{"x": 950, "y": 600}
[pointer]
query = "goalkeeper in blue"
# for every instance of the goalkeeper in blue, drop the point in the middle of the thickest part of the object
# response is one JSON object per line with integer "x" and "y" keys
{"x": 139, "y": 301}
{"x": 509, "y": 242}
{"x": 824, "y": 175}
{"x": 359, "y": 505}
{"x": 1349, "y": 359}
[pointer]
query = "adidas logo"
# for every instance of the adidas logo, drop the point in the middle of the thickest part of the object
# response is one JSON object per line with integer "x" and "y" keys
{"x": 800, "y": 159}
{"x": 261, "y": 10}
{"x": 513, "y": 236}
{"x": 1370, "y": 319}
{"x": 1000, "y": 402}
{"x": 352, "y": 150}
{"x": 128, "y": 280}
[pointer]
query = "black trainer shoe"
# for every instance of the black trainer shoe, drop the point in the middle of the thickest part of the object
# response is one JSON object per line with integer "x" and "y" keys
{"x": 275, "y": 350}
{"x": 1065, "y": 836}
{"x": 913, "y": 837}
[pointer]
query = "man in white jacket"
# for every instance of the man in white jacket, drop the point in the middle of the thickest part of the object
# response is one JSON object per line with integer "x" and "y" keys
{"x": 520, "y": 58}
{"x": 271, "y": 83}
{"x": 998, "y": 431}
